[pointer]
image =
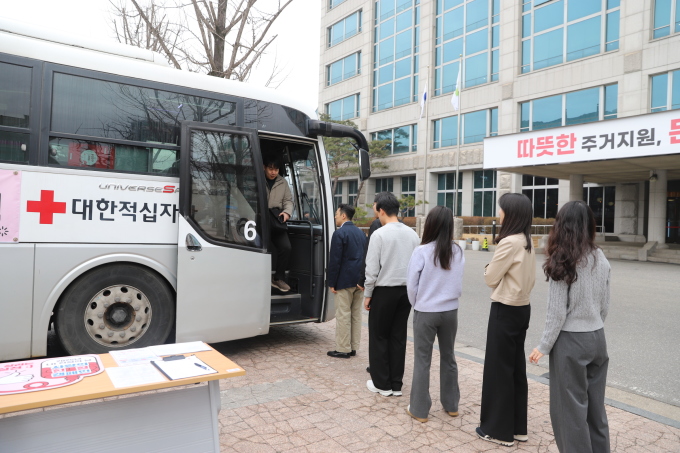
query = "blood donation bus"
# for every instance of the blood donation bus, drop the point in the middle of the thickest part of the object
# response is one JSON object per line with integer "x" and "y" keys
{"x": 133, "y": 206}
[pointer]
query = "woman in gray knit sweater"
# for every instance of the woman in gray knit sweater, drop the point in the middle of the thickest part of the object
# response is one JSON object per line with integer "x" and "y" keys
{"x": 578, "y": 302}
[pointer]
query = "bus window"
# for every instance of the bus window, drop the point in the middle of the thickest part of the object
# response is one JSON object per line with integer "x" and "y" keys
{"x": 90, "y": 154}
{"x": 99, "y": 108}
{"x": 306, "y": 170}
{"x": 15, "y": 103}
{"x": 224, "y": 200}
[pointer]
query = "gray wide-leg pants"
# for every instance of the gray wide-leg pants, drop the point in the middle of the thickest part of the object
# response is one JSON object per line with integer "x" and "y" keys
{"x": 578, "y": 376}
{"x": 426, "y": 326}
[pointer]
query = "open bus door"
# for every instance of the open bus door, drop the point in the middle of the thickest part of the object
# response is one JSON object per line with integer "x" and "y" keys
{"x": 223, "y": 269}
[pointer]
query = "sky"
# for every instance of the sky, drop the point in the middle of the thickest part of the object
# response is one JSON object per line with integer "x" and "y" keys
{"x": 296, "y": 47}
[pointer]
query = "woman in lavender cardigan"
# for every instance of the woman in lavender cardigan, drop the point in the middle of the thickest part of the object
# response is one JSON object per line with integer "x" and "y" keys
{"x": 434, "y": 283}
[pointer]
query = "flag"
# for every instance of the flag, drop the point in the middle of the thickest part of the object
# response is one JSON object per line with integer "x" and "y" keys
{"x": 455, "y": 99}
{"x": 422, "y": 101}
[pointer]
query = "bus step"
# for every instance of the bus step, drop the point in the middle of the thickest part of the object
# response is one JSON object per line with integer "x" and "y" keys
{"x": 290, "y": 304}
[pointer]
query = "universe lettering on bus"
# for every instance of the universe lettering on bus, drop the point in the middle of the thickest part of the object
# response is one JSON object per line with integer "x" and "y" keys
{"x": 164, "y": 189}
{"x": 558, "y": 145}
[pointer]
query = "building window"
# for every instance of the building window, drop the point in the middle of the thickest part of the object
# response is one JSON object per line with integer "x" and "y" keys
{"x": 343, "y": 109}
{"x": 555, "y": 32}
{"x": 664, "y": 12}
{"x": 568, "y": 109}
{"x": 345, "y": 29}
{"x": 384, "y": 185}
{"x": 408, "y": 189}
{"x": 469, "y": 29}
{"x": 665, "y": 91}
{"x": 601, "y": 200}
{"x": 343, "y": 69}
{"x": 484, "y": 192}
{"x": 352, "y": 189}
{"x": 395, "y": 53}
{"x": 475, "y": 125}
{"x": 333, "y": 3}
{"x": 402, "y": 139}
{"x": 337, "y": 197}
{"x": 543, "y": 195}
{"x": 446, "y": 191}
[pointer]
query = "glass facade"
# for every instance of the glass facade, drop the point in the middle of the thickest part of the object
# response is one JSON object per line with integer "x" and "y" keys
{"x": 352, "y": 189}
{"x": 384, "y": 185}
{"x": 395, "y": 53}
{"x": 337, "y": 196}
{"x": 470, "y": 29}
{"x": 402, "y": 139}
{"x": 475, "y": 126}
{"x": 446, "y": 191}
{"x": 484, "y": 193}
{"x": 543, "y": 195}
{"x": 665, "y": 91}
{"x": 408, "y": 189}
{"x": 343, "y": 69}
{"x": 333, "y": 3}
{"x": 576, "y": 107}
{"x": 555, "y": 32}
{"x": 666, "y": 18}
{"x": 344, "y": 109}
{"x": 345, "y": 29}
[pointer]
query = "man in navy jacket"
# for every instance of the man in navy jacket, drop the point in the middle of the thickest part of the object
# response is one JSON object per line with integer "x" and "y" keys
{"x": 345, "y": 268}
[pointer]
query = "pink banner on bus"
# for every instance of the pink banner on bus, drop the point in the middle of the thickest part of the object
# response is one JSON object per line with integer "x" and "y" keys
{"x": 10, "y": 205}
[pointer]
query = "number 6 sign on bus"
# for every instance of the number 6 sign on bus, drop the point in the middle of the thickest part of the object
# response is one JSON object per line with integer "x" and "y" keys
{"x": 10, "y": 205}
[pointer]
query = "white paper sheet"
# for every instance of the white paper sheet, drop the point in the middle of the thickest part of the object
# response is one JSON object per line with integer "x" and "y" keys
{"x": 179, "y": 348}
{"x": 130, "y": 357}
{"x": 128, "y": 376}
{"x": 190, "y": 366}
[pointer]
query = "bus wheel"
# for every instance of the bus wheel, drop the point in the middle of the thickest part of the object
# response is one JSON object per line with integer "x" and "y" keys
{"x": 115, "y": 307}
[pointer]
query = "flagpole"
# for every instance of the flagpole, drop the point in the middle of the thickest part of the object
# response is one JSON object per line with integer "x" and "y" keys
{"x": 427, "y": 142}
{"x": 459, "y": 138}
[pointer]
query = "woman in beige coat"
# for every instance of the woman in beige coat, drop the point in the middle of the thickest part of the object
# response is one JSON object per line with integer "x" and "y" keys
{"x": 511, "y": 274}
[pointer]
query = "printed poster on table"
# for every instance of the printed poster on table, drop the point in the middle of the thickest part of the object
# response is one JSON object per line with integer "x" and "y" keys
{"x": 10, "y": 205}
{"x": 43, "y": 374}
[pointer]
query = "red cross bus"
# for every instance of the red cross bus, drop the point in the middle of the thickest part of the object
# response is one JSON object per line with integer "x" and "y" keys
{"x": 133, "y": 204}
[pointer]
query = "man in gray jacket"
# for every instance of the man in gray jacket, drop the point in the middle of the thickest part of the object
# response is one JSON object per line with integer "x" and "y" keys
{"x": 385, "y": 295}
{"x": 278, "y": 196}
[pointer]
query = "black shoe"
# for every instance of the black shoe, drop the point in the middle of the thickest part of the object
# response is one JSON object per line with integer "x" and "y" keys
{"x": 353, "y": 353}
{"x": 339, "y": 355}
{"x": 368, "y": 369}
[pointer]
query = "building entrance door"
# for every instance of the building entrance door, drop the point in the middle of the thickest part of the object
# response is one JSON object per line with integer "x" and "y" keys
{"x": 673, "y": 213}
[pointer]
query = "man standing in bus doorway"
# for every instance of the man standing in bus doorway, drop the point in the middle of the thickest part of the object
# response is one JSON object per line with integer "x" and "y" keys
{"x": 385, "y": 297}
{"x": 280, "y": 204}
{"x": 345, "y": 267}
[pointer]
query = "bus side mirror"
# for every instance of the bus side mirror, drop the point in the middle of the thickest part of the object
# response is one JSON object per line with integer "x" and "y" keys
{"x": 364, "y": 165}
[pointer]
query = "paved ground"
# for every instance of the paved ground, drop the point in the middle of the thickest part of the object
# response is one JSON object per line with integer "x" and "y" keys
{"x": 295, "y": 398}
{"x": 642, "y": 327}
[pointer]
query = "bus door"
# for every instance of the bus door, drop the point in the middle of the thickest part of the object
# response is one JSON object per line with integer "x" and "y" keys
{"x": 223, "y": 270}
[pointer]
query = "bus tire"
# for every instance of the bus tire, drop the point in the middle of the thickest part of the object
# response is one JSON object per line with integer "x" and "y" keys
{"x": 113, "y": 307}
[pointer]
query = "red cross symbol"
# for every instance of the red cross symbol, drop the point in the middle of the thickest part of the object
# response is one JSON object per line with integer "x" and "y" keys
{"x": 47, "y": 207}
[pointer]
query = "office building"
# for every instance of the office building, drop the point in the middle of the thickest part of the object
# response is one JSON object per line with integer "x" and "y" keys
{"x": 528, "y": 65}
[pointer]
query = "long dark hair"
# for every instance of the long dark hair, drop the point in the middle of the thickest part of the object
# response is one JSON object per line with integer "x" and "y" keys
{"x": 439, "y": 229}
{"x": 572, "y": 237}
{"x": 518, "y": 210}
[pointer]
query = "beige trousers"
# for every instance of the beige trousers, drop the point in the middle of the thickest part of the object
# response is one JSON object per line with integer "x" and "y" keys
{"x": 348, "y": 304}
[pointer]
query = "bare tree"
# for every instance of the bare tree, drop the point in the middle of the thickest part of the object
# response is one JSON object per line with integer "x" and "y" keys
{"x": 221, "y": 38}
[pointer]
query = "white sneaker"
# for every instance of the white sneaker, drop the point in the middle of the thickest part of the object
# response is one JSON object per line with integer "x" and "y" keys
{"x": 396, "y": 393}
{"x": 374, "y": 389}
{"x": 521, "y": 437}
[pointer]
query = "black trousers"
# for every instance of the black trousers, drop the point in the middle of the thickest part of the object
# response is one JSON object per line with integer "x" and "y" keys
{"x": 280, "y": 248}
{"x": 505, "y": 389}
{"x": 387, "y": 322}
